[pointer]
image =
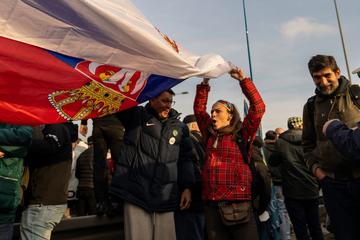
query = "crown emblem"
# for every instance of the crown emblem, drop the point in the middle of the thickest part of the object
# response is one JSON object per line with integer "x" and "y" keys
{"x": 91, "y": 100}
{"x": 171, "y": 42}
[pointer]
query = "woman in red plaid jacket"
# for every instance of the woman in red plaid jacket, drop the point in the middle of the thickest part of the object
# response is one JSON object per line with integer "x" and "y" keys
{"x": 226, "y": 177}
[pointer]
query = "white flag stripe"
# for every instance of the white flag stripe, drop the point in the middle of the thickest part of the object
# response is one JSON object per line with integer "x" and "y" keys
{"x": 105, "y": 31}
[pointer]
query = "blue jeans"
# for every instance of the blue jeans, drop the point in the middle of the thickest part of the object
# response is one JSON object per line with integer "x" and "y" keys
{"x": 189, "y": 225}
{"x": 304, "y": 215}
{"x": 342, "y": 202}
{"x": 6, "y": 231}
{"x": 38, "y": 221}
{"x": 280, "y": 230}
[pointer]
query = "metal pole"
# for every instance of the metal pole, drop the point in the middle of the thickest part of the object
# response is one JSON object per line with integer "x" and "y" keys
{"x": 342, "y": 40}
{"x": 247, "y": 40}
{"x": 259, "y": 131}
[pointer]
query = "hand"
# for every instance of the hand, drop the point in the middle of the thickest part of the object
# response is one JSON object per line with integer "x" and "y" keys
{"x": 237, "y": 74}
{"x": 185, "y": 199}
{"x": 83, "y": 130}
{"x": 319, "y": 174}
{"x": 2, "y": 154}
{"x": 205, "y": 81}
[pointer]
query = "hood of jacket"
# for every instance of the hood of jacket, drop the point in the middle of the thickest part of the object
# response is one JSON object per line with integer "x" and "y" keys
{"x": 269, "y": 145}
{"x": 293, "y": 136}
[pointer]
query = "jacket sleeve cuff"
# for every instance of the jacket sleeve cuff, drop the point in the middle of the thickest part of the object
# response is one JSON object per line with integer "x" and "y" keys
{"x": 314, "y": 167}
{"x": 205, "y": 87}
{"x": 242, "y": 82}
{"x": 329, "y": 125}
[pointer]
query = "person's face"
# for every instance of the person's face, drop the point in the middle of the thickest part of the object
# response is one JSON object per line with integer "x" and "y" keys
{"x": 326, "y": 80}
{"x": 220, "y": 116}
{"x": 162, "y": 104}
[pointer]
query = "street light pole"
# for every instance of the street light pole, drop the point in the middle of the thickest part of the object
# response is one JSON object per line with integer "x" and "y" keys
{"x": 342, "y": 40}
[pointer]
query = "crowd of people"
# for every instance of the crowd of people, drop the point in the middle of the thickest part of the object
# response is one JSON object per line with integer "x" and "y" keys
{"x": 210, "y": 176}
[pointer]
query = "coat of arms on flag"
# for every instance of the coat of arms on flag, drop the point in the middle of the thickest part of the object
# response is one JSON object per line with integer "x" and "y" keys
{"x": 67, "y": 67}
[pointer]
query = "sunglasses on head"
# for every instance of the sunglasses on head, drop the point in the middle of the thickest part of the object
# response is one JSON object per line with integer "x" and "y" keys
{"x": 228, "y": 105}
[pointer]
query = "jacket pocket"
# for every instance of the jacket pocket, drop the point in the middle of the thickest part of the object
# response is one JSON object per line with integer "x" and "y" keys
{"x": 9, "y": 193}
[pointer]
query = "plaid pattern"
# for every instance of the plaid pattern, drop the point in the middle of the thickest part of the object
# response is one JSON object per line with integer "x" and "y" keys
{"x": 294, "y": 122}
{"x": 225, "y": 175}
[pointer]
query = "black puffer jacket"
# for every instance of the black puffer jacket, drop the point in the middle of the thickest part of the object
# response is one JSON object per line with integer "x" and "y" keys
{"x": 298, "y": 182}
{"x": 156, "y": 162}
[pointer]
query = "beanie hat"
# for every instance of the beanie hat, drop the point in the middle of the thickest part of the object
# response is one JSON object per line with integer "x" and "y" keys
{"x": 294, "y": 122}
{"x": 189, "y": 119}
{"x": 270, "y": 135}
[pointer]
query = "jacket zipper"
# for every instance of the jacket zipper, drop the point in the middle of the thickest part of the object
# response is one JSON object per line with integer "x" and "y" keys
{"x": 10, "y": 178}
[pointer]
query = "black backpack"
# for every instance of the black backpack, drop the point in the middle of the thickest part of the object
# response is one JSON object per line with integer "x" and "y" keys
{"x": 257, "y": 186}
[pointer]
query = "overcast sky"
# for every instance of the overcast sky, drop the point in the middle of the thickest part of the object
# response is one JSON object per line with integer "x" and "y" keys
{"x": 283, "y": 34}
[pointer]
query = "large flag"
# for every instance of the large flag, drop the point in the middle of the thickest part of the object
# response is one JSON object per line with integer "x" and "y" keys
{"x": 75, "y": 59}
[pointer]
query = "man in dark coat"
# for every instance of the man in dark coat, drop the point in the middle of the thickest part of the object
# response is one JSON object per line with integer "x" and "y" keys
{"x": 301, "y": 189}
{"x": 86, "y": 203}
{"x": 50, "y": 158}
{"x": 280, "y": 221}
{"x": 107, "y": 134}
{"x": 155, "y": 169}
{"x": 190, "y": 223}
{"x": 339, "y": 177}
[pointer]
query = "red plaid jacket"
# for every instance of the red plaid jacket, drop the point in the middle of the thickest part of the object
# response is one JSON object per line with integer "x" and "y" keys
{"x": 225, "y": 175}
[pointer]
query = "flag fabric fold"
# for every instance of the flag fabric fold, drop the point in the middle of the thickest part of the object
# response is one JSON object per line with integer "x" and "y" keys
{"x": 69, "y": 60}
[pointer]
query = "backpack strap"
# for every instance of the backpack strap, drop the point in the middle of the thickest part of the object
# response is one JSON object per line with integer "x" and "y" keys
{"x": 255, "y": 185}
{"x": 311, "y": 105}
{"x": 354, "y": 91}
{"x": 244, "y": 149}
{"x": 311, "y": 109}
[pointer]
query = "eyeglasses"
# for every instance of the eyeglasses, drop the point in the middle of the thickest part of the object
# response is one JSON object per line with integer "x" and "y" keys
{"x": 169, "y": 102}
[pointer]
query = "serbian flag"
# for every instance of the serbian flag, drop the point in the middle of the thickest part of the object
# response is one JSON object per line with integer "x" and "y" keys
{"x": 64, "y": 60}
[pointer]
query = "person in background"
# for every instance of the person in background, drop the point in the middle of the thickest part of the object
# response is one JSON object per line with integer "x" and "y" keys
{"x": 280, "y": 221}
{"x": 301, "y": 189}
{"x": 190, "y": 223}
{"x": 226, "y": 175}
{"x": 86, "y": 202}
{"x": 77, "y": 148}
{"x": 155, "y": 169}
{"x": 108, "y": 133}
{"x": 262, "y": 200}
{"x": 339, "y": 177}
{"x": 49, "y": 158}
{"x": 279, "y": 131}
{"x": 14, "y": 142}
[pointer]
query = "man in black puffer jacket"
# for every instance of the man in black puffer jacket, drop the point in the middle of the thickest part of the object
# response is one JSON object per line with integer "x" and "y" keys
{"x": 155, "y": 167}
